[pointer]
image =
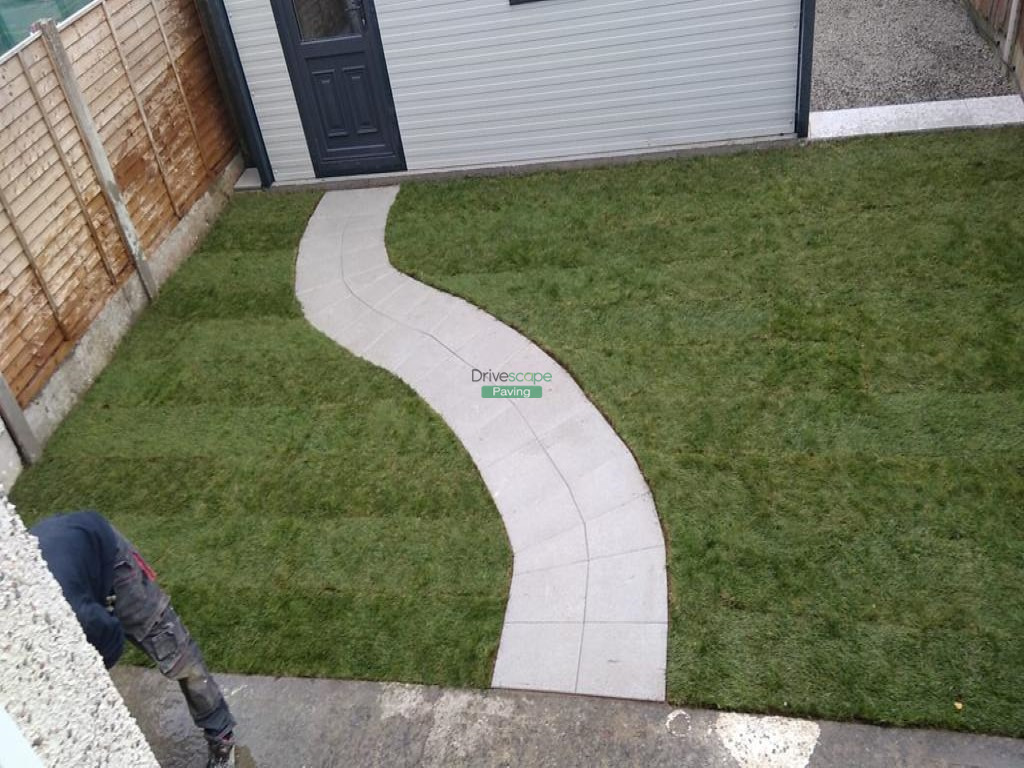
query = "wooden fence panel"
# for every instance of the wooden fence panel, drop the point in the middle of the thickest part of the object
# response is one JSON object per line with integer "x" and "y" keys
{"x": 51, "y": 231}
{"x": 122, "y": 129}
{"x": 997, "y": 20}
{"x": 29, "y": 333}
{"x": 164, "y": 103}
{"x": 147, "y": 84}
{"x": 995, "y": 12}
{"x": 185, "y": 35}
{"x": 109, "y": 245}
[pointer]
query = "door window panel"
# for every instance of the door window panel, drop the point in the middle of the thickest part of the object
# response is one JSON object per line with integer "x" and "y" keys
{"x": 320, "y": 19}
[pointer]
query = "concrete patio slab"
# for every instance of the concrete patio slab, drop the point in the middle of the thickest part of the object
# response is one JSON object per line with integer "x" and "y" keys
{"x": 303, "y": 722}
{"x": 427, "y": 356}
{"x": 401, "y": 304}
{"x": 570, "y": 546}
{"x": 493, "y": 348}
{"x": 554, "y": 595}
{"x": 580, "y": 443}
{"x": 625, "y": 588}
{"x": 539, "y": 657}
{"x": 486, "y": 448}
{"x": 628, "y": 528}
{"x": 984, "y": 112}
{"x": 603, "y": 670}
{"x": 552, "y": 464}
{"x": 533, "y": 516}
{"x": 608, "y": 486}
{"x": 249, "y": 180}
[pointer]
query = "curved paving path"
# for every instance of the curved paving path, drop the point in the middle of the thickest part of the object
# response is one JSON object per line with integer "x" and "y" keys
{"x": 587, "y": 610}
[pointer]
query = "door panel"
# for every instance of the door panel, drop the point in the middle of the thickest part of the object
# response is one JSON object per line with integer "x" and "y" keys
{"x": 341, "y": 85}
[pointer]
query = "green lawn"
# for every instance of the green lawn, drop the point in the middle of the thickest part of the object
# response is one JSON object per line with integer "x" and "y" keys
{"x": 817, "y": 355}
{"x": 308, "y": 513}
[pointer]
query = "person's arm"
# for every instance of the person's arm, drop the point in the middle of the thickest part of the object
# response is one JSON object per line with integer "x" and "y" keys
{"x": 103, "y": 630}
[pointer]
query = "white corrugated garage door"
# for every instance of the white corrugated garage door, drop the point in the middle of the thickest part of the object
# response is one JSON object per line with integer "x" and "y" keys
{"x": 485, "y": 82}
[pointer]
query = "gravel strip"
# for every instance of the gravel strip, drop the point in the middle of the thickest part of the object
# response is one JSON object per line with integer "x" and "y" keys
{"x": 877, "y": 52}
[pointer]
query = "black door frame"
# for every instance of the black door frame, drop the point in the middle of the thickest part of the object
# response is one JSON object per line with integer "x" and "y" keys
{"x": 808, "y": 10}
{"x": 287, "y": 32}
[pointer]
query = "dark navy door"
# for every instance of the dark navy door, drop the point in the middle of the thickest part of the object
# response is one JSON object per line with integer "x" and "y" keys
{"x": 341, "y": 85}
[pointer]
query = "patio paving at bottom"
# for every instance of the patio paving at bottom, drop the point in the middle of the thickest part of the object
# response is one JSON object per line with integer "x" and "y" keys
{"x": 320, "y": 723}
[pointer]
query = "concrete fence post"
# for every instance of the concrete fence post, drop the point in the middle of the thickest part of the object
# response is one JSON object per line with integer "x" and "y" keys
{"x": 97, "y": 153}
{"x": 28, "y": 445}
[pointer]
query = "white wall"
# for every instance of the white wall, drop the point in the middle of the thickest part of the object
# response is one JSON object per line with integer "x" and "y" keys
{"x": 10, "y": 459}
{"x": 52, "y": 682}
{"x": 483, "y": 82}
{"x": 259, "y": 49}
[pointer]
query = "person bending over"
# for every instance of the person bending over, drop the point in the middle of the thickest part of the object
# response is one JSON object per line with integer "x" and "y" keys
{"x": 114, "y": 593}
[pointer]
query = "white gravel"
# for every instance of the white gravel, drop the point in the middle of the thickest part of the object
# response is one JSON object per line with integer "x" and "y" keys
{"x": 877, "y": 52}
{"x": 52, "y": 682}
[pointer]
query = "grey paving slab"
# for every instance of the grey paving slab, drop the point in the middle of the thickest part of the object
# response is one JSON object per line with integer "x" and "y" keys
{"x": 427, "y": 314}
{"x": 564, "y": 548}
{"x": 429, "y": 355}
{"x": 606, "y": 671}
{"x": 628, "y": 528}
{"x": 316, "y": 272}
{"x": 608, "y": 486}
{"x": 628, "y": 588}
{"x": 470, "y": 415}
{"x": 552, "y": 464}
{"x": 322, "y": 295}
{"x": 490, "y": 350}
{"x": 533, "y": 511}
{"x": 363, "y": 232}
{"x": 554, "y": 595}
{"x": 333, "y": 317}
{"x": 462, "y": 324}
{"x": 359, "y": 282}
{"x": 363, "y": 259}
{"x": 291, "y": 723}
{"x": 504, "y": 478}
{"x": 400, "y": 305}
{"x": 502, "y": 436}
{"x": 927, "y": 116}
{"x": 358, "y": 329}
{"x": 391, "y": 350}
{"x": 562, "y": 396}
{"x": 582, "y": 442}
{"x": 249, "y": 180}
{"x": 538, "y": 657}
{"x": 382, "y": 288}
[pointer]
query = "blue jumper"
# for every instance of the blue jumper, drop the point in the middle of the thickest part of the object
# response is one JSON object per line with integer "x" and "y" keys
{"x": 81, "y": 550}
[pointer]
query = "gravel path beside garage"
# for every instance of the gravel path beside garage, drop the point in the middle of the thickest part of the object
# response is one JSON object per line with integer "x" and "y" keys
{"x": 875, "y": 52}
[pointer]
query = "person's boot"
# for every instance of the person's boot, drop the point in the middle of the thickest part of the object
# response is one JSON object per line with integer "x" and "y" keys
{"x": 222, "y": 753}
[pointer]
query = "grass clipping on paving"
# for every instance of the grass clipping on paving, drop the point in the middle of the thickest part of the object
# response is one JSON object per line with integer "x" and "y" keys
{"x": 817, "y": 356}
{"x": 307, "y": 512}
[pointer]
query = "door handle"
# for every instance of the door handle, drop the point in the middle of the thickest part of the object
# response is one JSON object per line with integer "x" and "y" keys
{"x": 359, "y": 9}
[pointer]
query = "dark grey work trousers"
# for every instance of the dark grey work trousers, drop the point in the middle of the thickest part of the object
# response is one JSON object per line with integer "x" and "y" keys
{"x": 150, "y": 623}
